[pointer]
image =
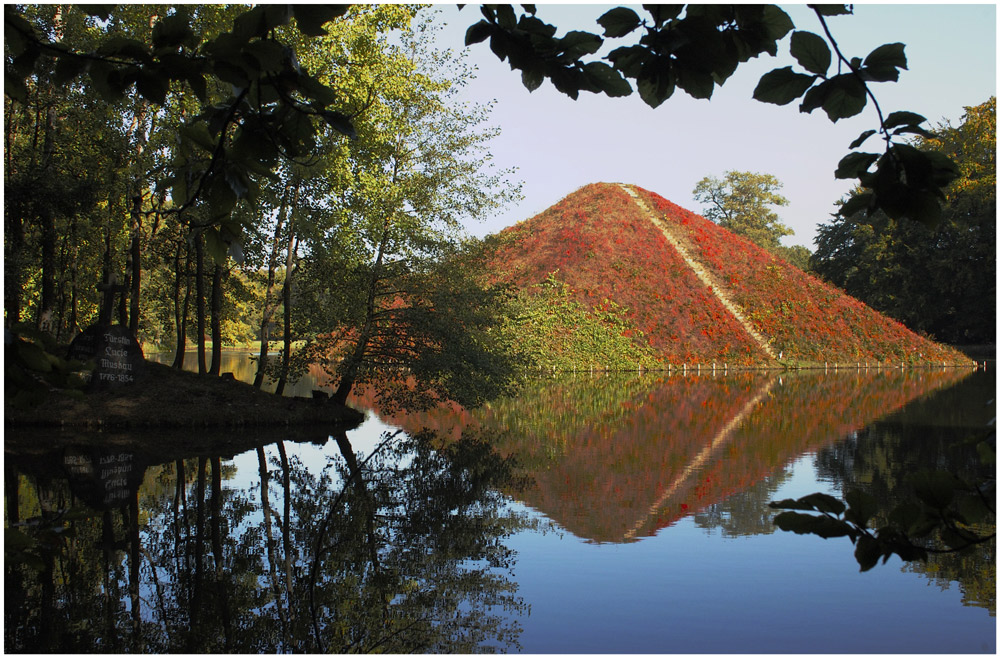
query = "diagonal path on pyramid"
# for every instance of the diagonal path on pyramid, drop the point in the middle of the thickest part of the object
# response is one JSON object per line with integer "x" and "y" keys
{"x": 702, "y": 274}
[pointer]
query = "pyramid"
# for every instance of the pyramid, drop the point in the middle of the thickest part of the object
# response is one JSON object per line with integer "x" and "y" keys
{"x": 696, "y": 293}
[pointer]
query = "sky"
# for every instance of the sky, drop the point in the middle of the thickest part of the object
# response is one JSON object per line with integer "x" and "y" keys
{"x": 558, "y": 145}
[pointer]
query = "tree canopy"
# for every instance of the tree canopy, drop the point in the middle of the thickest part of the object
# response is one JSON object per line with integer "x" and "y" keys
{"x": 742, "y": 202}
{"x": 937, "y": 279}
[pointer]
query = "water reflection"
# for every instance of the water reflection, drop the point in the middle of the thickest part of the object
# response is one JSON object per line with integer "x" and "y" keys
{"x": 157, "y": 543}
{"x": 398, "y": 550}
{"x": 613, "y": 459}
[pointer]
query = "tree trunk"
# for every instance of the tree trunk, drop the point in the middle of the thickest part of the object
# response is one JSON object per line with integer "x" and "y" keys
{"x": 13, "y": 258}
{"x": 352, "y": 366}
{"x": 46, "y": 306}
{"x": 216, "y": 321}
{"x": 268, "y": 312}
{"x": 180, "y": 317}
{"x": 199, "y": 285}
{"x": 286, "y": 307}
{"x": 135, "y": 265}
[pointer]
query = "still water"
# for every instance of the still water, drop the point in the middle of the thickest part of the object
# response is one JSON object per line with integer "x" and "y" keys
{"x": 623, "y": 514}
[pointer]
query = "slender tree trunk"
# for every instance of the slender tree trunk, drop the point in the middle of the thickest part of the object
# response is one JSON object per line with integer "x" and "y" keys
{"x": 272, "y": 560}
{"x": 46, "y": 306}
{"x": 286, "y": 306}
{"x": 199, "y": 285}
{"x": 269, "y": 306}
{"x": 74, "y": 276}
{"x": 133, "y": 571}
{"x": 286, "y": 538}
{"x": 13, "y": 268}
{"x": 181, "y": 316}
{"x": 135, "y": 265}
{"x": 221, "y": 585}
{"x": 216, "y": 321}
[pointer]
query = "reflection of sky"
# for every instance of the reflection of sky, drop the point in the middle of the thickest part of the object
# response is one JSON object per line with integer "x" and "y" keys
{"x": 689, "y": 591}
{"x": 364, "y": 439}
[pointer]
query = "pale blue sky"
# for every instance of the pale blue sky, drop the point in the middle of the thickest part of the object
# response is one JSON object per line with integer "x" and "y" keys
{"x": 559, "y": 145}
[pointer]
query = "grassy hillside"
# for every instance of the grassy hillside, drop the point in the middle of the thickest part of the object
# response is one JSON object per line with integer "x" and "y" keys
{"x": 597, "y": 259}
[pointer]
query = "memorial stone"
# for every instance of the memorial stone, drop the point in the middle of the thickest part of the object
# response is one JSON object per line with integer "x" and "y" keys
{"x": 116, "y": 354}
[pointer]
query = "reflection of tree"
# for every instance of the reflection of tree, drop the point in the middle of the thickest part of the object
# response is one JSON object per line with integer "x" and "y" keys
{"x": 746, "y": 512}
{"x": 618, "y": 458}
{"x": 412, "y": 558}
{"x": 879, "y": 459}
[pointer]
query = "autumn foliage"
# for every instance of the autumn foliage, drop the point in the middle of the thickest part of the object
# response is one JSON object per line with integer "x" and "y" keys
{"x": 606, "y": 250}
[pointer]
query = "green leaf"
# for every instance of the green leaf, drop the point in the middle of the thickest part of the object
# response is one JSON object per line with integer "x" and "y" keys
{"x": 198, "y": 133}
{"x": 618, "y": 22}
{"x": 68, "y": 68}
{"x": 831, "y": 10}
{"x": 854, "y": 165}
{"x": 790, "y": 503}
{"x": 532, "y": 78}
{"x": 221, "y": 198}
{"x": 172, "y": 31}
{"x": 861, "y": 507}
{"x": 98, "y": 10}
{"x": 198, "y": 86}
{"x": 696, "y": 82}
{"x": 270, "y": 55}
{"x": 824, "y": 503}
{"x": 811, "y": 52}
{"x": 903, "y": 118}
{"x": 16, "y": 540}
{"x": 846, "y": 97}
{"x": 316, "y": 90}
{"x": 629, "y": 59}
{"x": 803, "y": 524}
{"x": 341, "y": 123}
{"x": 152, "y": 86}
{"x": 216, "y": 247}
{"x": 123, "y": 47}
{"x": 655, "y": 89}
{"x": 534, "y": 26}
{"x": 886, "y": 59}
{"x": 14, "y": 87}
{"x": 576, "y": 44}
{"x": 935, "y": 488}
{"x": 663, "y": 13}
{"x": 867, "y": 552}
{"x": 861, "y": 139}
{"x": 311, "y": 18}
{"x": 478, "y": 32}
{"x": 609, "y": 80}
{"x": 782, "y": 86}
{"x": 776, "y": 23}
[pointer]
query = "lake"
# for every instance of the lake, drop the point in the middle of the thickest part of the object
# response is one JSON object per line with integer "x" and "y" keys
{"x": 592, "y": 514}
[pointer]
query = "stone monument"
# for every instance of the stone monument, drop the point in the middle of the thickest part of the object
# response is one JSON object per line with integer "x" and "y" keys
{"x": 116, "y": 353}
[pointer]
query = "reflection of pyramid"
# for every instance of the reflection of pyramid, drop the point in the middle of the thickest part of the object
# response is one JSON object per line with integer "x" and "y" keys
{"x": 697, "y": 292}
{"x": 696, "y": 464}
{"x": 615, "y": 459}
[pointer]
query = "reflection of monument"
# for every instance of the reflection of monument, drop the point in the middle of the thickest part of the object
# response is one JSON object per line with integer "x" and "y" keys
{"x": 104, "y": 479}
{"x": 614, "y": 461}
